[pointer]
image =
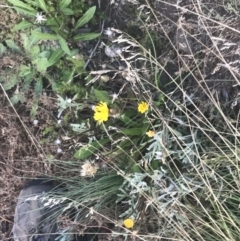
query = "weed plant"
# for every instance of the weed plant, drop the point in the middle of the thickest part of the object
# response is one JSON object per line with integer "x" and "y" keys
{"x": 47, "y": 30}
{"x": 157, "y": 156}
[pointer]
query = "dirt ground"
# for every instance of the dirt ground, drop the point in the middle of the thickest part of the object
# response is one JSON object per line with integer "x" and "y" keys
{"x": 19, "y": 159}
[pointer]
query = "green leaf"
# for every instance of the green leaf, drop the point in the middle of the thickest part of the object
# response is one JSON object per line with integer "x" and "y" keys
{"x": 127, "y": 120}
{"x": 42, "y": 5}
{"x": 24, "y": 70}
{"x": 27, "y": 80}
{"x": 64, "y": 45}
{"x": 16, "y": 98}
{"x": 69, "y": 76}
{"x": 52, "y": 82}
{"x": 44, "y": 36}
{"x": 10, "y": 83}
{"x": 64, "y": 3}
{"x": 38, "y": 87}
{"x": 58, "y": 31}
{"x": 44, "y": 54}
{"x": 136, "y": 168}
{"x": 22, "y": 25}
{"x": 20, "y": 4}
{"x": 32, "y": 40}
{"x": 67, "y": 11}
{"x": 86, "y": 17}
{"x": 12, "y": 45}
{"x": 88, "y": 150}
{"x": 2, "y": 48}
{"x": 28, "y": 41}
{"x": 33, "y": 3}
{"x": 145, "y": 128}
{"x": 155, "y": 164}
{"x": 53, "y": 22}
{"x": 102, "y": 95}
{"x": 132, "y": 131}
{"x": 41, "y": 64}
{"x": 25, "y": 41}
{"x": 77, "y": 60}
{"x": 34, "y": 110}
{"x": 25, "y": 12}
{"x": 55, "y": 56}
{"x": 34, "y": 51}
{"x": 86, "y": 36}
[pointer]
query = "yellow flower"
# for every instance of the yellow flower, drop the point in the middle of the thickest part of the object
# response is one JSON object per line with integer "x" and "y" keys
{"x": 143, "y": 107}
{"x": 101, "y": 112}
{"x": 128, "y": 223}
{"x": 150, "y": 133}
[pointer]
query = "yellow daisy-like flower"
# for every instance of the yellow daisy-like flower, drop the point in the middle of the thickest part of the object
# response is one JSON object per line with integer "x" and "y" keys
{"x": 128, "y": 223}
{"x": 101, "y": 112}
{"x": 150, "y": 133}
{"x": 143, "y": 107}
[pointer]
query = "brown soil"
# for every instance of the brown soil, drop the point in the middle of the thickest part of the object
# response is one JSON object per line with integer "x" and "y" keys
{"x": 21, "y": 158}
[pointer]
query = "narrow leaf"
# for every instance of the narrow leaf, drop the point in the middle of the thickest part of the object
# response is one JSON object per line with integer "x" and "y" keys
{"x": 27, "y": 80}
{"x": 88, "y": 150}
{"x": 132, "y": 131}
{"x": 12, "y": 45}
{"x": 33, "y": 3}
{"x": 86, "y": 17}
{"x": 64, "y": 4}
{"x": 55, "y": 56}
{"x": 67, "y": 11}
{"x": 44, "y": 36}
{"x": 22, "y": 25}
{"x": 38, "y": 88}
{"x": 53, "y": 22}
{"x": 25, "y": 11}
{"x": 64, "y": 45}
{"x": 20, "y": 4}
{"x": 43, "y": 5}
{"x": 102, "y": 95}
{"x": 86, "y": 36}
{"x": 26, "y": 42}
